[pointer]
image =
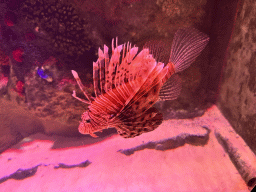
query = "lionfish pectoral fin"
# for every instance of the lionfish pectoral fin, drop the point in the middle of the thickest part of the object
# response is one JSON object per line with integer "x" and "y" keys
{"x": 82, "y": 100}
{"x": 187, "y": 44}
{"x": 171, "y": 89}
{"x": 93, "y": 135}
{"x": 147, "y": 122}
{"x": 81, "y": 86}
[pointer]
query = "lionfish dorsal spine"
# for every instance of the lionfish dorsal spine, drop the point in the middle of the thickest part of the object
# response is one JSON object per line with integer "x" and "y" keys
{"x": 96, "y": 79}
{"x": 100, "y": 68}
{"x": 125, "y": 72}
{"x": 111, "y": 68}
{"x": 106, "y": 59}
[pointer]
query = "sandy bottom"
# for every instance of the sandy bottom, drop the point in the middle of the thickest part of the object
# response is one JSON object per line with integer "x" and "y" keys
{"x": 177, "y": 156}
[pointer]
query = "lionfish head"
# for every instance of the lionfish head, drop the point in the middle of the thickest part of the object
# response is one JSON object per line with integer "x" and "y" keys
{"x": 87, "y": 126}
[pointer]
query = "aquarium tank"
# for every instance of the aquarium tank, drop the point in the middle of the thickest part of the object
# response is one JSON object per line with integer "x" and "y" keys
{"x": 127, "y": 95}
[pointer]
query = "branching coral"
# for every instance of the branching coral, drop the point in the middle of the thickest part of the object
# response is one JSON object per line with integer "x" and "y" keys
{"x": 61, "y": 22}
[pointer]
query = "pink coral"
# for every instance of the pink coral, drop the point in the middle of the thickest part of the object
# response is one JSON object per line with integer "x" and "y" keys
{"x": 3, "y": 81}
{"x": 18, "y": 54}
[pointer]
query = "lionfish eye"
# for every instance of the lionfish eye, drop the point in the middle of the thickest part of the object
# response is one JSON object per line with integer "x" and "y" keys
{"x": 88, "y": 120}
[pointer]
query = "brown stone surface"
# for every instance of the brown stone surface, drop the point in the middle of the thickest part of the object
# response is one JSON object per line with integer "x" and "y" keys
{"x": 194, "y": 166}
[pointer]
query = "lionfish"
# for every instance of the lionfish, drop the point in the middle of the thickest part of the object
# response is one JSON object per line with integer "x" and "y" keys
{"x": 128, "y": 84}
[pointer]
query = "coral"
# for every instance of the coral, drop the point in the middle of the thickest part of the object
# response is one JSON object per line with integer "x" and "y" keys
{"x": 4, "y": 59}
{"x": 19, "y": 88}
{"x": 45, "y": 99}
{"x": 59, "y": 20}
{"x": 10, "y": 18}
{"x": 182, "y": 11}
{"x": 17, "y": 54}
{"x": 3, "y": 81}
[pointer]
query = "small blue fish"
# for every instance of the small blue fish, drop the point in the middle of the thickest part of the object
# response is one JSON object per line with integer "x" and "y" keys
{"x": 44, "y": 75}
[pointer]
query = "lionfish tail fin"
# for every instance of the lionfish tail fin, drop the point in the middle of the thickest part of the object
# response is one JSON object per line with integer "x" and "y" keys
{"x": 187, "y": 44}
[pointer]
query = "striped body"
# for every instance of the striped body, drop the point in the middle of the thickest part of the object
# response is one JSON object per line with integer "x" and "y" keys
{"x": 128, "y": 84}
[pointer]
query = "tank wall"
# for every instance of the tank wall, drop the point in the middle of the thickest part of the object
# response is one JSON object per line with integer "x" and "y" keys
{"x": 237, "y": 95}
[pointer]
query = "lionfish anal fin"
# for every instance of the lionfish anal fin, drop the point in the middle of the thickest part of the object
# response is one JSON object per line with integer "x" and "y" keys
{"x": 171, "y": 88}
